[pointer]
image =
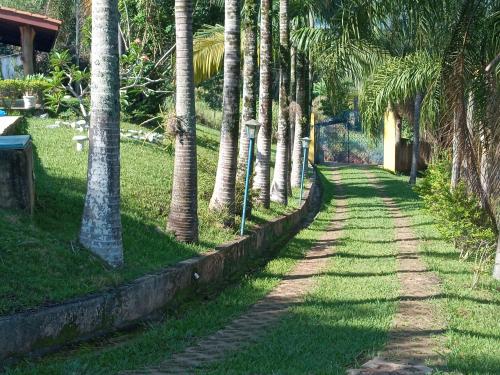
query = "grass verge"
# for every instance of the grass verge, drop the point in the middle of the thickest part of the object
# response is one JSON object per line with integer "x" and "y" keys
{"x": 345, "y": 320}
{"x": 40, "y": 260}
{"x": 472, "y": 315}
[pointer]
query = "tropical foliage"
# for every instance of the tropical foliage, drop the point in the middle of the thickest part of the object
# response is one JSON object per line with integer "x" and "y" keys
{"x": 435, "y": 64}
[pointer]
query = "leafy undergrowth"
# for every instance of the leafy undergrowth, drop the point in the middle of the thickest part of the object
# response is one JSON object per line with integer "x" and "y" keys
{"x": 40, "y": 260}
{"x": 191, "y": 321}
{"x": 473, "y": 334}
{"x": 346, "y": 318}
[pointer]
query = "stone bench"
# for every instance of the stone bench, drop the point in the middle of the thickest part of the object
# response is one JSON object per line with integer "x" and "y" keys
{"x": 8, "y": 124}
{"x": 17, "y": 186}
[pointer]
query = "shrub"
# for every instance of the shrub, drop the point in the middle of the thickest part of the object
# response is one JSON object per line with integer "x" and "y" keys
{"x": 13, "y": 89}
{"x": 460, "y": 218}
{"x": 68, "y": 90}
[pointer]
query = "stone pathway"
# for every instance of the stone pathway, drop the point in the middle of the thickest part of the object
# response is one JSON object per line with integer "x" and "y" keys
{"x": 254, "y": 323}
{"x": 412, "y": 344}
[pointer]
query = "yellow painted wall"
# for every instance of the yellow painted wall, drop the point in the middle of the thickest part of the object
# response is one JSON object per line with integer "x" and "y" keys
{"x": 312, "y": 145}
{"x": 390, "y": 141}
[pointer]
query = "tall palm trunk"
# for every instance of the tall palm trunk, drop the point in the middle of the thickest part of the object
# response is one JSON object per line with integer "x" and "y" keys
{"x": 293, "y": 75}
{"x": 224, "y": 191}
{"x": 293, "y": 90}
{"x": 101, "y": 230}
{"x": 249, "y": 79}
{"x": 496, "y": 267}
{"x": 308, "y": 97}
{"x": 291, "y": 116}
{"x": 457, "y": 147}
{"x": 300, "y": 120}
{"x": 416, "y": 138}
{"x": 309, "y": 81}
{"x": 263, "y": 158}
{"x": 279, "y": 189}
{"x": 183, "y": 217}
{"x": 398, "y": 119}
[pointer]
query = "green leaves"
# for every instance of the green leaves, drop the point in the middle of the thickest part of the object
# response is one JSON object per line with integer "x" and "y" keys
{"x": 208, "y": 52}
{"x": 395, "y": 81}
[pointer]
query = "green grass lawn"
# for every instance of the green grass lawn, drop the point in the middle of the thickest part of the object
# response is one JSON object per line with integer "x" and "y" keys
{"x": 343, "y": 321}
{"x": 40, "y": 259}
{"x": 191, "y": 321}
{"x": 472, "y": 315}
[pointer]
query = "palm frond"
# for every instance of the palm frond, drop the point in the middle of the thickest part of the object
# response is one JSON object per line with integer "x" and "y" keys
{"x": 208, "y": 52}
{"x": 397, "y": 80}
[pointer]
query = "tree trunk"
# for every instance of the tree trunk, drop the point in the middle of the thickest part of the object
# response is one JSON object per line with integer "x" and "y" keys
{"x": 293, "y": 98}
{"x": 416, "y": 138}
{"x": 496, "y": 267}
{"x": 293, "y": 75}
{"x": 223, "y": 196}
{"x": 249, "y": 79}
{"x": 398, "y": 119}
{"x": 307, "y": 108}
{"x": 399, "y": 125}
{"x": 183, "y": 216}
{"x": 300, "y": 121}
{"x": 279, "y": 190}
{"x": 458, "y": 144}
{"x": 101, "y": 230}
{"x": 309, "y": 81}
{"x": 263, "y": 157}
{"x": 291, "y": 118}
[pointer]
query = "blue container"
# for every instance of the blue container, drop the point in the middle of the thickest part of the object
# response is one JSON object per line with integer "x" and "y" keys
{"x": 3, "y": 113}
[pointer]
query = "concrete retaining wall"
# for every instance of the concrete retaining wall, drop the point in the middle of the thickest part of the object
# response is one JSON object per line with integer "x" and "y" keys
{"x": 48, "y": 329}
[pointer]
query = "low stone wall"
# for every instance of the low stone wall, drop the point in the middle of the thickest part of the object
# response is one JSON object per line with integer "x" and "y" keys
{"x": 48, "y": 329}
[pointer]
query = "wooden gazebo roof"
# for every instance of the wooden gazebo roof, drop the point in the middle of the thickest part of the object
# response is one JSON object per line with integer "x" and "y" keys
{"x": 46, "y": 28}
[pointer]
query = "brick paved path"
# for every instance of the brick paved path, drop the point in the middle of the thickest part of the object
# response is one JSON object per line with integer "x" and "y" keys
{"x": 412, "y": 344}
{"x": 254, "y": 323}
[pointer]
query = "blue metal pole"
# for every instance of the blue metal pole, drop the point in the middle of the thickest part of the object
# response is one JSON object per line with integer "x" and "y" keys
{"x": 247, "y": 183}
{"x": 304, "y": 164}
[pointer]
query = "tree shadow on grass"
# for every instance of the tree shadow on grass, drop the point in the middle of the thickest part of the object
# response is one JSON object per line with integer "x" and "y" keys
{"x": 56, "y": 220}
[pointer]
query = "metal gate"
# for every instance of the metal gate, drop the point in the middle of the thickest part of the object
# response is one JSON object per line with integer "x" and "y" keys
{"x": 334, "y": 143}
{"x": 342, "y": 140}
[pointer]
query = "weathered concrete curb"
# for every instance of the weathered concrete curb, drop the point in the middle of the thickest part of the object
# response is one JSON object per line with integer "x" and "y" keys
{"x": 49, "y": 328}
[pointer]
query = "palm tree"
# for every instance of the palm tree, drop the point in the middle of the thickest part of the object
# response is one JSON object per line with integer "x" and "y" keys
{"x": 279, "y": 188}
{"x": 101, "y": 230}
{"x": 408, "y": 85}
{"x": 249, "y": 78}
{"x": 224, "y": 191}
{"x": 300, "y": 119}
{"x": 292, "y": 110}
{"x": 470, "y": 61}
{"x": 263, "y": 157}
{"x": 183, "y": 217}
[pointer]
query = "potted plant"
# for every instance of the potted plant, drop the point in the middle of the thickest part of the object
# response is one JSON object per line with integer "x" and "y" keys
{"x": 29, "y": 97}
{"x": 33, "y": 85}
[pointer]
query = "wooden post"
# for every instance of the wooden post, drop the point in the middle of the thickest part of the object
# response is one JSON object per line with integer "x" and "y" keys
{"x": 27, "y": 37}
